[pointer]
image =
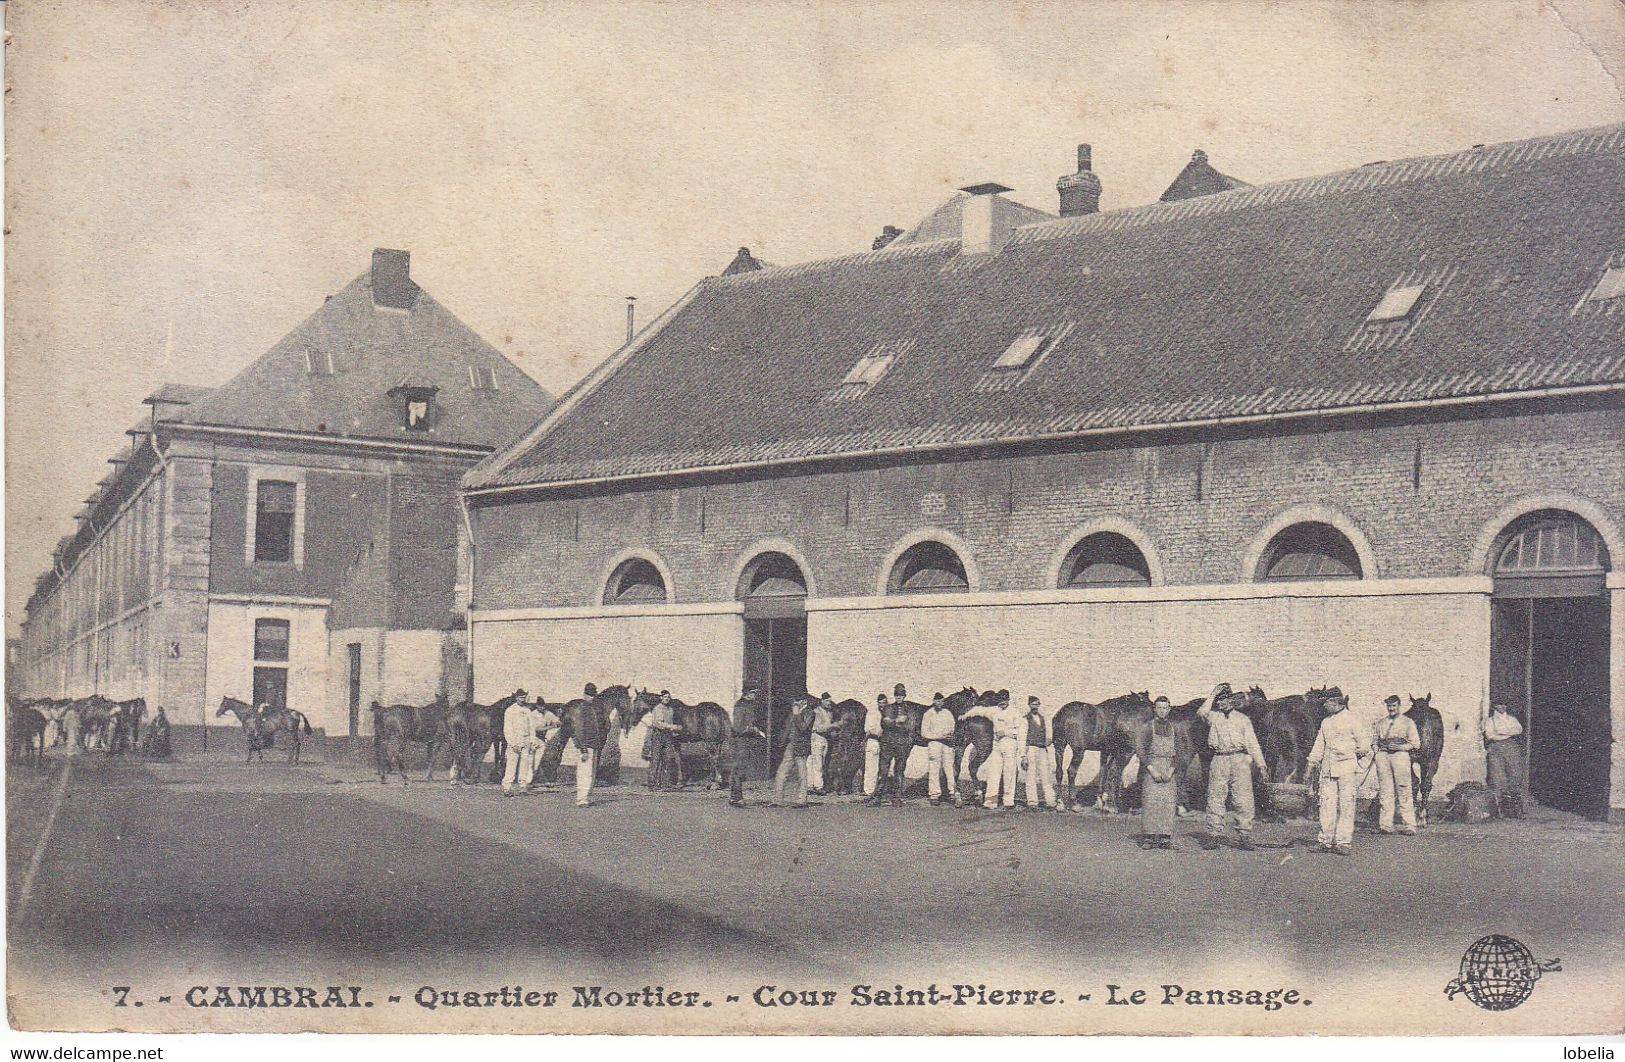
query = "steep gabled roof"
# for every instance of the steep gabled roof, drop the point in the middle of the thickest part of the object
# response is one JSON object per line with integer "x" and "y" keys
{"x": 375, "y": 336}
{"x": 947, "y": 220}
{"x": 1259, "y": 301}
{"x": 1199, "y": 178}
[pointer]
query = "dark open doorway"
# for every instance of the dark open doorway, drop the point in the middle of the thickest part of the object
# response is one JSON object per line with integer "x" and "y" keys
{"x": 1549, "y": 638}
{"x": 774, "y": 591}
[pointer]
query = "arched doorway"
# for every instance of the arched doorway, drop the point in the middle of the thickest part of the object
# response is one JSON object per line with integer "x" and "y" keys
{"x": 773, "y": 590}
{"x": 1549, "y": 655}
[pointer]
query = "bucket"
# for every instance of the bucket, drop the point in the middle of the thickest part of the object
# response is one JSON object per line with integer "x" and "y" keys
{"x": 1286, "y": 799}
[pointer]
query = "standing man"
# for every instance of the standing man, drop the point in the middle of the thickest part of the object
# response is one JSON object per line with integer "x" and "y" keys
{"x": 1230, "y": 774}
{"x": 1503, "y": 761}
{"x": 823, "y": 722}
{"x": 1009, "y": 725}
{"x": 663, "y": 750}
{"x": 797, "y": 747}
{"x": 937, "y": 727}
{"x": 1158, "y": 753}
{"x": 746, "y": 746}
{"x": 519, "y": 731}
{"x": 871, "y": 742}
{"x": 1342, "y": 752}
{"x": 1394, "y": 738}
{"x": 896, "y": 742}
{"x": 1038, "y": 757}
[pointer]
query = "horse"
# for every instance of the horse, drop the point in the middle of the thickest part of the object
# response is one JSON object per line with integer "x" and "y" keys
{"x": 95, "y": 721}
{"x": 1425, "y": 760}
{"x": 1286, "y": 730}
{"x": 424, "y": 724}
{"x": 475, "y": 729}
{"x": 1083, "y": 727}
{"x": 584, "y": 720}
{"x": 843, "y": 769}
{"x": 25, "y": 725}
{"x": 616, "y": 702}
{"x": 706, "y": 724}
{"x": 261, "y": 729}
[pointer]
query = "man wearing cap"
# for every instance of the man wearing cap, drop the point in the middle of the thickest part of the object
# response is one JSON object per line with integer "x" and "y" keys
{"x": 797, "y": 747}
{"x": 1394, "y": 738}
{"x": 871, "y": 742}
{"x": 937, "y": 727}
{"x": 823, "y": 722}
{"x": 1038, "y": 759}
{"x": 1230, "y": 773}
{"x": 746, "y": 744}
{"x": 1009, "y": 727}
{"x": 1342, "y": 751}
{"x": 662, "y": 745}
{"x": 1503, "y": 761}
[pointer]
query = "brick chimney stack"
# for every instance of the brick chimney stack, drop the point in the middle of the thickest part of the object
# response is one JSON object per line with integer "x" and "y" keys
{"x": 1080, "y": 192}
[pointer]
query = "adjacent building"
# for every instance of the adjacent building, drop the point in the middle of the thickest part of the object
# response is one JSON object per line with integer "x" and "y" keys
{"x": 294, "y": 535}
{"x": 1361, "y": 429}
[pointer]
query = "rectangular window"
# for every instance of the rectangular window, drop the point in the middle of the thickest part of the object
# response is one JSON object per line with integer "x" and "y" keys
{"x": 482, "y": 379}
{"x": 273, "y": 520}
{"x": 319, "y": 363}
{"x": 271, "y": 640}
{"x": 869, "y": 369}
{"x": 1020, "y": 352}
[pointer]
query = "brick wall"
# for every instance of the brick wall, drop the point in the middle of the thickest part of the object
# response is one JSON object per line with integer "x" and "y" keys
{"x": 424, "y": 523}
{"x": 1017, "y": 514}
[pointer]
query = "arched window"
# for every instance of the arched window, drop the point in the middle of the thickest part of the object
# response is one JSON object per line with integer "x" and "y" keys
{"x": 634, "y": 581}
{"x": 928, "y": 568}
{"x": 772, "y": 575}
{"x": 1553, "y": 542}
{"x": 1309, "y": 551}
{"x": 1105, "y": 558}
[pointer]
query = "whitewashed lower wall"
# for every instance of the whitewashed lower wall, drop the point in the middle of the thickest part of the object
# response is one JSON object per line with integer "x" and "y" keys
{"x": 1368, "y": 645}
{"x": 230, "y": 671}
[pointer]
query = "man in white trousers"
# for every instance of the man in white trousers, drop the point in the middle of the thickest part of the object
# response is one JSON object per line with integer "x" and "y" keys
{"x": 823, "y": 720}
{"x": 1009, "y": 724}
{"x": 519, "y": 730}
{"x": 1394, "y": 738}
{"x": 1341, "y": 751}
{"x": 871, "y": 744}
{"x": 937, "y": 730}
{"x": 1038, "y": 758}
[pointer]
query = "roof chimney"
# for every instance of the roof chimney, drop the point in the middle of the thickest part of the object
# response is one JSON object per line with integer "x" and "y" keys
{"x": 1080, "y": 192}
{"x": 742, "y": 263}
{"x": 392, "y": 286}
{"x": 887, "y": 235}
{"x": 985, "y": 224}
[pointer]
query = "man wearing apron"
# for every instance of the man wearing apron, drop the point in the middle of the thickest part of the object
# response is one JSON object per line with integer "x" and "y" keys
{"x": 1159, "y": 787}
{"x": 1394, "y": 738}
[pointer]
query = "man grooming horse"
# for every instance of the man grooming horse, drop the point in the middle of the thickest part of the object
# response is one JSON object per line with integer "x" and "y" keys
{"x": 1230, "y": 778}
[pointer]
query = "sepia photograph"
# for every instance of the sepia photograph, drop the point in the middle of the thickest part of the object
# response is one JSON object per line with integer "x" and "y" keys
{"x": 724, "y": 518}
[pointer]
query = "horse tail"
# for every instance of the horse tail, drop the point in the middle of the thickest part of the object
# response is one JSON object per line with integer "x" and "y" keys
{"x": 304, "y": 723}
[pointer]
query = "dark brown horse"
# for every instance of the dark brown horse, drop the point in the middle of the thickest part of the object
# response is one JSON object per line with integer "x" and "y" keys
{"x": 1286, "y": 729}
{"x": 261, "y": 729}
{"x": 843, "y": 768}
{"x": 475, "y": 729}
{"x": 586, "y": 721}
{"x": 1425, "y": 760}
{"x": 705, "y": 724}
{"x": 1109, "y": 729}
{"x": 125, "y": 720}
{"x": 395, "y": 725}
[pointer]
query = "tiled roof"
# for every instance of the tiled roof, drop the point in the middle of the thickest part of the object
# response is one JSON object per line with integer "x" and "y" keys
{"x": 372, "y": 349}
{"x": 944, "y": 222}
{"x": 1247, "y": 302}
{"x": 176, "y": 394}
{"x": 1199, "y": 178}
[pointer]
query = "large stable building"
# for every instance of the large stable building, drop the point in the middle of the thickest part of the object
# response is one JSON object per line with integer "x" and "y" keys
{"x": 291, "y": 536}
{"x": 1361, "y": 429}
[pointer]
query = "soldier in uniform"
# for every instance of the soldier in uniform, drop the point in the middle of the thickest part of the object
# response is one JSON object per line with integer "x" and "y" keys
{"x": 797, "y": 747}
{"x": 662, "y": 750}
{"x": 1009, "y": 727}
{"x": 1341, "y": 751}
{"x": 937, "y": 728}
{"x": 1159, "y": 782}
{"x": 896, "y": 742}
{"x": 823, "y": 722}
{"x": 1503, "y": 761}
{"x": 748, "y": 740}
{"x": 1038, "y": 759}
{"x": 1394, "y": 738}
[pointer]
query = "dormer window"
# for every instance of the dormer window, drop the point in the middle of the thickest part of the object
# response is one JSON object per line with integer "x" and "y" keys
{"x": 417, "y": 405}
{"x": 1024, "y": 354}
{"x": 1019, "y": 353}
{"x": 319, "y": 363}
{"x": 482, "y": 379}
{"x": 1397, "y": 304}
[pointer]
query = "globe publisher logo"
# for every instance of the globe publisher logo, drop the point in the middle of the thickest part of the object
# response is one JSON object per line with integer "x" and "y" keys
{"x": 1499, "y": 973}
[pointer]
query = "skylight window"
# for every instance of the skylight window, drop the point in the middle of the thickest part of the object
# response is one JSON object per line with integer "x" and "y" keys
{"x": 482, "y": 379}
{"x": 869, "y": 370}
{"x": 1397, "y": 304}
{"x": 319, "y": 363}
{"x": 1020, "y": 352}
{"x": 1611, "y": 286}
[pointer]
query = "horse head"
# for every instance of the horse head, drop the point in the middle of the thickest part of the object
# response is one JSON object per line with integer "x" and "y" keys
{"x": 230, "y": 706}
{"x": 1424, "y": 701}
{"x": 1256, "y": 695}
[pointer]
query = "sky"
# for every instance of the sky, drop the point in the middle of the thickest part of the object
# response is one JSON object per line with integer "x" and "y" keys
{"x": 185, "y": 180}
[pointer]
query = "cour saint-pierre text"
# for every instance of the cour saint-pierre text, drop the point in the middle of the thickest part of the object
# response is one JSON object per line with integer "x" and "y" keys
{"x": 764, "y": 996}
